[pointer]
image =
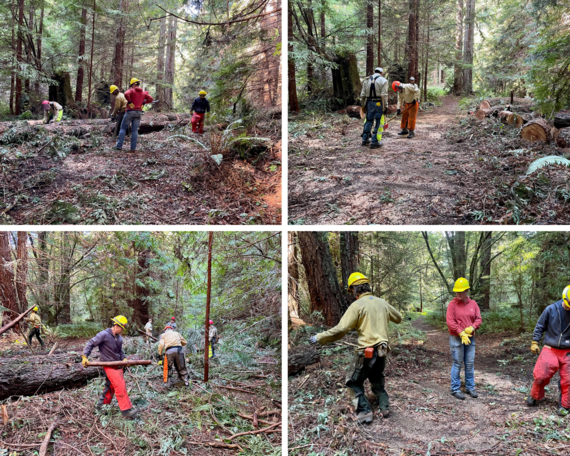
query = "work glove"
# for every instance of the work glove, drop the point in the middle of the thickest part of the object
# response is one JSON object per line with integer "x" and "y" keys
{"x": 464, "y": 338}
{"x": 398, "y": 112}
{"x": 535, "y": 348}
{"x": 131, "y": 105}
{"x": 313, "y": 339}
{"x": 159, "y": 363}
{"x": 84, "y": 361}
{"x": 470, "y": 330}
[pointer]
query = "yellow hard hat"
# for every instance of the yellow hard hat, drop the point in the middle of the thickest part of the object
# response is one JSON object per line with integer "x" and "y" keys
{"x": 35, "y": 309}
{"x": 113, "y": 88}
{"x": 202, "y": 92}
{"x": 566, "y": 297}
{"x": 356, "y": 278}
{"x": 121, "y": 321}
{"x": 133, "y": 81}
{"x": 461, "y": 284}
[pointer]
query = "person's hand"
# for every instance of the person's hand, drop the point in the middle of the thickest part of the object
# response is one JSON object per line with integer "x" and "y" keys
{"x": 159, "y": 363}
{"x": 470, "y": 330}
{"x": 535, "y": 348}
{"x": 84, "y": 361}
{"x": 464, "y": 338}
{"x": 398, "y": 112}
{"x": 313, "y": 340}
{"x": 131, "y": 105}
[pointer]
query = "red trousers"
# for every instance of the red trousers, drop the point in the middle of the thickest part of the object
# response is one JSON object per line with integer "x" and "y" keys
{"x": 198, "y": 123}
{"x": 409, "y": 116}
{"x": 549, "y": 362}
{"x": 115, "y": 386}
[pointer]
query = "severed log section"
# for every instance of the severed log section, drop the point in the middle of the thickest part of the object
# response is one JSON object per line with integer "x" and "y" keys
{"x": 15, "y": 321}
{"x": 124, "y": 363}
{"x": 301, "y": 357}
{"x": 353, "y": 111}
{"x": 562, "y": 119}
{"x": 145, "y": 334}
{"x": 562, "y": 138}
{"x": 480, "y": 114}
{"x": 512, "y": 118}
{"x": 537, "y": 130}
{"x": 486, "y": 104}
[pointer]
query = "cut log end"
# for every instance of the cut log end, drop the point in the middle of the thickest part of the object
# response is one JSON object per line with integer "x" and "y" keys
{"x": 537, "y": 130}
{"x": 301, "y": 357}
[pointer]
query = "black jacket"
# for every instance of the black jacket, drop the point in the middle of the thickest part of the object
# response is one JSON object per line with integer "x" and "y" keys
{"x": 554, "y": 323}
{"x": 110, "y": 347}
{"x": 201, "y": 105}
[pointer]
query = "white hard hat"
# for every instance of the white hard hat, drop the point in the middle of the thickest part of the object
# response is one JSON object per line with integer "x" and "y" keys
{"x": 379, "y": 70}
{"x": 412, "y": 78}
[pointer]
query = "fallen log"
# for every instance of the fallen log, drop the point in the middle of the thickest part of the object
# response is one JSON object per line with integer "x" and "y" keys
{"x": 353, "y": 111}
{"x": 537, "y": 130}
{"x": 15, "y": 321}
{"x": 486, "y": 104}
{"x": 563, "y": 138}
{"x": 503, "y": 115}
{"x": 45, "y": 443}
{"x": 480, "y": 114}
{"x": 124, "y": 363}
{"x": 152, "y": 337}
{"x": 562, "y": 119}
{"x": 301, "y": 357}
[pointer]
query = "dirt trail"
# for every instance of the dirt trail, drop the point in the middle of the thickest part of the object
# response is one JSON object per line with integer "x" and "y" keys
{"x": 334, "y": 180}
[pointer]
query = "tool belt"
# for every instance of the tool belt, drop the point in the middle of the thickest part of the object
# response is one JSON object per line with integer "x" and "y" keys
{"x": 371, "y": 354}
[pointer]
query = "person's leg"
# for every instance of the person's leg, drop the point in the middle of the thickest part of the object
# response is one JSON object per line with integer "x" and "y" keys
{"x": 412, "y": 119}
{"x": 124, "y": 125}
{"x": 59, "y": 115}
{"x": 405, "y": 114}
{"x": 374, "y": 139}
{"x": 544, "y": 369}
{"x": 377, "y": 383}
{"x": 380, "y": 129}
{"x": 135, "y": 130}
{"x": 355, "y": 383}
{"x": 194, "y": 122}
{"x": 366, "y": 131}
{"x": 469, "y": 360}
{"x": 201, "y": 123}
{"x": 171, "y": 366}
{"x": 117, "y": 380}
{"x": 564, "y": 361}
{"x": 38, "y": 336}
{"x": 180, "y": 365}
{"x": 457, "y": 357}
{"x": 118, "y": 124}
{"x": 31, "y": 336}
{"x": 108, "y": 392}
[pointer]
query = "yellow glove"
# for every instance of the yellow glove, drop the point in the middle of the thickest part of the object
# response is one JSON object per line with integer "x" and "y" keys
{"x": 535, "y": 348}
{"x": 464, "y": 338}
{"x": 159, "y": 363}
{"x": 84, "y": 361}
{"x": 131, "y": 105}
{"x": 469, "y": 330}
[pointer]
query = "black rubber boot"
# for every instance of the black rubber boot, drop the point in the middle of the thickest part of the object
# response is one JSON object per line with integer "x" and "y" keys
{"x": 365, "y": 142}
{"x": 130, "y": 413}
{"x": 376, "y": 145}
{"x": 365, "y": 417}
{"x": 472, "y": 393}
{"x": 411, "y": 135}
{"x": 403, "y": 132}
{"x": 458, "y": 395}
{"x": 99, "y": 404}
{"x": 531, "y": 402}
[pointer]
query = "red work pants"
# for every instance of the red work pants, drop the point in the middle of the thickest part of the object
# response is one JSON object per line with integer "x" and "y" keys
{"x": 549, "y": 362}
{"x": 198, "y": 123}
{"x": 115, "y": 386}
{"x": 409, "y": 116}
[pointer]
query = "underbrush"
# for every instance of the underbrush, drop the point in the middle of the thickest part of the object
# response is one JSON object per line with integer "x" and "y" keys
{"x": 86, "y": 329}
{"x": 434, "y": 95}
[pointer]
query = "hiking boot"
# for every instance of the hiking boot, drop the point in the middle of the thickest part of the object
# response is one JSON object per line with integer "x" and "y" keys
{"x": 412, "y": 134}
{"x": 472, "y": 393}
{"x": 365, "y": 417}
{"x": 130, "y": 413}
{"x": 562, "y": 411}
{"x": 117, "y": 148}
{"x": 403, "y": 132}
{"x": 385, "y": 413}
{"x": 531, "y": 402}
{"x": 99, "y": 405}
{"x": 365, "y": 142}
{"x": 458, "y": 395}
{"x": 376, "y": 145}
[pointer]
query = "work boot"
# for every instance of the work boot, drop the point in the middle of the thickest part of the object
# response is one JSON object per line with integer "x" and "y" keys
{"x": 472, "y": 393}
{"x": 531, "y": 402}
{"x": 99, "y": 404}
{"x": 458, "y": 395}
{"x": 403, "y": 132}
{"x": 130, "y": 413}
{"x": 365, "y": 417}
{"x": 117, "y": 148}
{"x": 411, "y": 135}
{"x": 385, "y": 413}
{"x": 562, "y": 411}
{"x": 365, "y": 142}
{"x": 376, "y": 145}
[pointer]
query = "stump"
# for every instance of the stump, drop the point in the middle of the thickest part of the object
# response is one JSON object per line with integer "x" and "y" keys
{"x": 514, "y": 118}
{"x": 537, "y": 130}
{"x": 353, "y": 111}
{"x": 301, "y": 357}
{"x": 562, "y": 119}
{"x": 484, "y": 105}
{"x": 563, "y": 138}
{"x": 503, "y": 116}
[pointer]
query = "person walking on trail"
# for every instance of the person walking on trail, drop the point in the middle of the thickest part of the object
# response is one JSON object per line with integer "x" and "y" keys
{"x": 136, "y": 98}
{"x": 554, "y": 324}
{"x": 200, "y": 106}
{"x": 213, "y": 337}
{"x": 52, "y": 111}
{"x": 172, "y": 323}
{"x": 171, "y": 343}
{"x": 369, "y": 316}
{"x": 463, "y": 318}
{"x": 119, "y": 109}
{"x": 148, "y": 330}
{"x": 110, "y": 345}
{"x": 35, "y": 322}
{"x": 408, "y": 105}
{"x": 374, "y": 99}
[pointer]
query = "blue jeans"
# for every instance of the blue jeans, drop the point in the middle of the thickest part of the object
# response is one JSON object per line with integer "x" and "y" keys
{"x": 462, "y": 354}
{"x": 133, "y": 117}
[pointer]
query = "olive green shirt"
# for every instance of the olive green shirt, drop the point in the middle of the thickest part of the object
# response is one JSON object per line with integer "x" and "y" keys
{"x": 369, "y": 316}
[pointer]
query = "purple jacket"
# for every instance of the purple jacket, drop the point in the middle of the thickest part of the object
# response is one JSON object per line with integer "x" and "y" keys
{"x": 110, "y": 347}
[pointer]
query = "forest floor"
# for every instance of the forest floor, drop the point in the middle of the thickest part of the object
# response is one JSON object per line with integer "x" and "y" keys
{"x": 200, "y": 419}
{"x": 457, "y": 170}
{"x": 50, "y": 178}
{"x": 425, "y": 419}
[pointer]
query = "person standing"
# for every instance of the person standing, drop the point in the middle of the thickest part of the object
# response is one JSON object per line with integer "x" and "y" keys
{"x": 110, "y": 345}
{"x": 554, "y": 324}
{"x": 463, "y": 319}
{"x": 52, "y": 111}
{"x": 213, "y": 337}
{"x": 136, "y": 98}
{"x": 408, "y": 105}
{"x": 369, "y": 316}
{"x": 35, "y": 322}
{"x": 374, "y": 99}
{"x": 148, "y": 330}
{"x": 171, "y": 342}
{"x": 119, "y": 110}
{"x": 172, "y": 323}
{"x": 200, "y": 106}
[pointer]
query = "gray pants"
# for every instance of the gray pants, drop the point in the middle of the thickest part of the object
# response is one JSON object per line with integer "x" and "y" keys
{"x": 176, "y": 361}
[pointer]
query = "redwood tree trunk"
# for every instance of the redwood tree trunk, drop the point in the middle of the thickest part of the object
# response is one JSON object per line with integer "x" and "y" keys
{"x": 468, "y": 42}
{"x": 349, "y": 259}
{"x": 324, "y": 291}
{"x": 22, "y": 271}
{"x": 458, "y": 71}
{"x": 142, "y": 292}
{"x": 379, "y": 33}
{"x": 160, "y": 65}
{"x": 293, "y": 100}
{"x": 485, "y": 265}
{"x": 119, "y": 58}
{"x": 369, "y": 38}
{"x": 80, "y": 57}
{"x": 170, "y": 61}
{"x": 17, "y": 108}
{"x": 412, "y": 44}
{"x": 8, "y": 295}
{"x": 456, "y": 243}
{"x": 293, "y": 279}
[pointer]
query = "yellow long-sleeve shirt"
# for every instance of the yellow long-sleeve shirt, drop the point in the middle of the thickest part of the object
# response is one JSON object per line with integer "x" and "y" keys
{"x": 120, "y": 104}
{"x": 369, "y": 316}
{"x": 170, "y": 339}
{"x": 410, "y": 93}
{"x": 34, "y": 319}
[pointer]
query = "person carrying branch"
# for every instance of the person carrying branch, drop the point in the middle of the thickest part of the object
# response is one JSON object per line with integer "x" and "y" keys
{"x": 171, "y": 343}
{"x": 369, "y": 316}
{"x": 408, "y": 105}
{"x": 213, "y": 337}
{"x": 554, "y": 325}
{"x": 463, "y": 318}
{"x": 148, "y": 330}
{"x": 136, "y": 98}
{"x": 52, "y": 111}
{"x": 200, "y": 106}
{"x": 119, "y": 109}
{"x": 35, "y": 322}
{"x": 374, "y": 100}
{"x": 110, "y": 345}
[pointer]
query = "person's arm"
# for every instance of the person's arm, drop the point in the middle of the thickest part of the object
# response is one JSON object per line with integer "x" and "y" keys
{"x": 182, "y": 340}
{"x": 417, "y": 94}
{"x": 193, "y": 106}
{"x": 148, "y": 98}
{"x": 160, "y": 345}
{"x": 450, "y": 320}
{"x": 395, "y": 316}
{"x": 400, "y": 99}
{"x": 347, "y": 322}
{"x": 46, "y": 116}
{"x": 478, "y": 319}
{"x": 384, "y": 95}
{"x": 363, "y": 94}
{"x": 541, "y": 325}
{"x": 122, "y": 353}
{"x": 95, "y": 342}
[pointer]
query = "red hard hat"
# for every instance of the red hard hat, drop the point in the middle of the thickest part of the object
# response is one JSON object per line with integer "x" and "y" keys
{"x": 395, "y": 85}
{"x": 173, "y": 318}
{"x": 45, "y": 105}
{"x": 211, "y": 322}
{"x": 167, "y": 327}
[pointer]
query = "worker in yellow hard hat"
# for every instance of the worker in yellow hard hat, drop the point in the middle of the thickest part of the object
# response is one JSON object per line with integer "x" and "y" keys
{"x": 463, "y": 318}
{"x": 369, "y": 316}
{"x": 200, "y": 107}
{"x": 110, "y": 345}
{"x": 136, "y": 97}
{"x": 119, "y": 109}
{"x": 35, "y": 323}
{"x": 554, "y": 324}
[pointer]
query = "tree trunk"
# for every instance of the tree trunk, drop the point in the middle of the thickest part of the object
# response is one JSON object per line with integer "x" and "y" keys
{"x": 140, "y": 303}
{"x": 292, "y": 80}
{"x": 537, "y": 130}
{"x": 468, "y": 47}
{"x": 379, "y": 33}
{"x": 13, "y": 72}
{"x": 170, "y": 61}
{"x": 81, "y": 57}
{"x": 324, "y": 291}
{"x": 293, "y": 279}
{"x": 8, "y": 295}
{"x": 301, "y": 357}
{"x": 426, "y": 58}
{"x": 22, "y": 271}
{"x": 39, "y": 48}
{"x": 484, "y": 286}
{"x": 412, "y": 43}
{"x": 369, "y": 38}
{"x": 346, "y": 81}
{"x": 349, "y": 261}
{"x": 456, "y": 243}
{"x": 458, "y": 70}
{"x": 562, "y": 119}
{"x": 91, "y": 59}
{"x": 160, "y": 65}
{"x": 19, "y": 59}
{"x": 63, "y": 287}
{"x": 119, "y": 57}
{"x": 62, "y": 91}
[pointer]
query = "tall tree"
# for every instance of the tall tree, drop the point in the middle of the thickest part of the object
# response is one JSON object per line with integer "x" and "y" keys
{"x": 142, "y": 292}
{"x": 170, "y": 61}
{"x": 81, "y": 56}
{"x": 485, "y": 268}
{"x": 369, "y": 37}
{"x": 292, "y": 79}
{"x": 293, "y": 278}
{"x": 468, "y": 47}
{"x": 22, "y": 271}
{"x": 119, "y": 58}
{"x": 412, "y": 41}
{"x": 19, "y": 59}
{"x": 8, "y": 295}
{"x": 379, "y": 33}
{"x": 458, "y": 67}
{"x": 160, "y": 64}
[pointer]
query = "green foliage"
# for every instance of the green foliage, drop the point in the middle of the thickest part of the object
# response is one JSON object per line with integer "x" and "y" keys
{"x": 85, "y": 330}
{"x": 546, "y": 161}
